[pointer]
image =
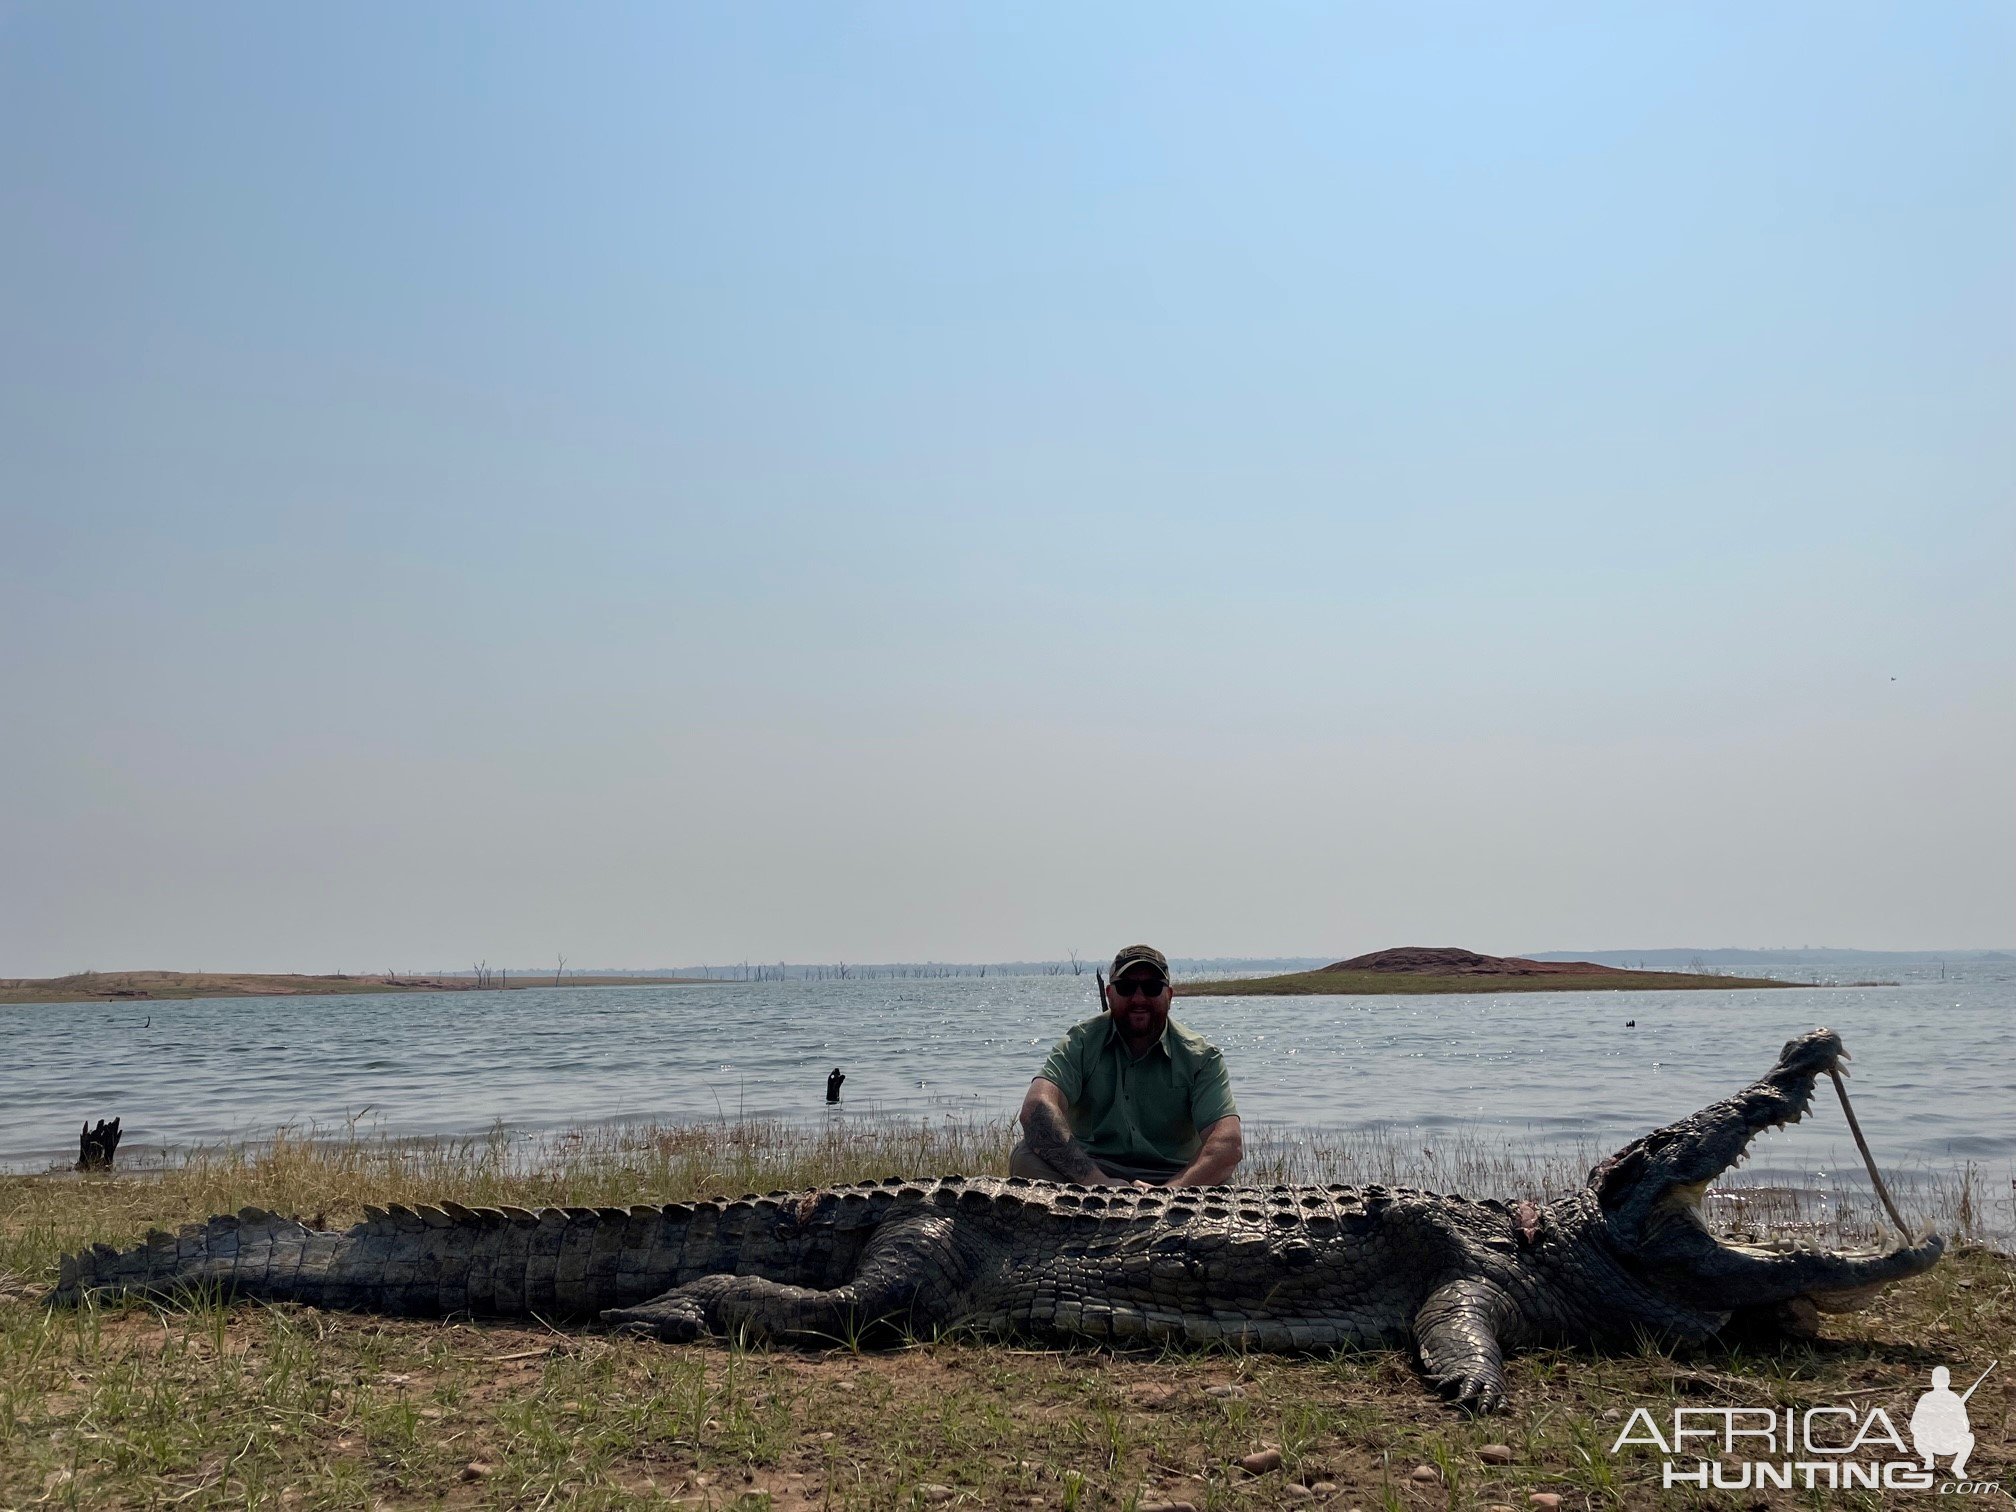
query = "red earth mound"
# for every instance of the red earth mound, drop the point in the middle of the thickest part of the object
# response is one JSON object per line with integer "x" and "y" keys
{"x": 1448, "y": 960}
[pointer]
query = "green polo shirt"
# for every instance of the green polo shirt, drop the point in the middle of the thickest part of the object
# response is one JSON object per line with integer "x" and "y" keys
{"x": 1140, "y": 1118}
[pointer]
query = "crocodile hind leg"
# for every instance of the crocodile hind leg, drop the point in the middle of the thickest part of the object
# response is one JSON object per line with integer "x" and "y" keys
{"x": 1457, "y": 1334}
{"x": 915, "y": 1274}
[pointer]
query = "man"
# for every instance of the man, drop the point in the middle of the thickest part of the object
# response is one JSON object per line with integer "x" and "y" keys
{"x": 1130, "y": 1098}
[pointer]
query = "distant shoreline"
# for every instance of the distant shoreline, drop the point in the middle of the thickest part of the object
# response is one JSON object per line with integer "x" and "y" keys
{"x": 173, "y": 986}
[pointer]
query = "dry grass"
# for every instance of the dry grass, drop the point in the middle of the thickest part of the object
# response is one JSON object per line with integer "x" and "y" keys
{"x": 203, "y": 1406}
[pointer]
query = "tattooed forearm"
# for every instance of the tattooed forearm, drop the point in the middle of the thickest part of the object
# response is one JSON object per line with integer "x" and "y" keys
{"x": 1049, "y": 1139}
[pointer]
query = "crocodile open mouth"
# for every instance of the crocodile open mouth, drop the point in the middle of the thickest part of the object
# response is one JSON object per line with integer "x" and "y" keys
{"x": 1686, "y": 1203}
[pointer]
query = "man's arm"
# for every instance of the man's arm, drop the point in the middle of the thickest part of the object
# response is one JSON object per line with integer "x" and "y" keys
{"x": 1219, "y": 1157}
{"x": 1046, "y": 1125}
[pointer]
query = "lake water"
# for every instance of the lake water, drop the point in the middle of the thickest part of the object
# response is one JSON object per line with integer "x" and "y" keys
{"x": 1551, "y": 1071}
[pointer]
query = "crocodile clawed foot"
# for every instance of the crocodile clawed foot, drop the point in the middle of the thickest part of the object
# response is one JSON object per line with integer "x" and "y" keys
{"x": 675, "y": 1320}
{"x": 1475, "y": 1394}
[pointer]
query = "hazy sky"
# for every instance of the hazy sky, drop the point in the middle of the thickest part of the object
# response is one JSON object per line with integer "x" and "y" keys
{"x": 694, "y": 482}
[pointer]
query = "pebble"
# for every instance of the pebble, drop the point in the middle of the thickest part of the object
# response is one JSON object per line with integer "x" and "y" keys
{"x": 1323, "y": 1487}
{"x": 1545, "y": 1499}
{"x": 477, "y": 1470}
{"x": 1424, "y": 1474}
{"x": 1229, "y": 1393}
{"x": 932, "y": 1492}
{"x": 1260, "y": 1461}
{"x": 1496, "y": 1454}
{"x": 1497, "y": 1507}
{"x": 1168, "y": 1506}
{"x": 1295, "y": 1491}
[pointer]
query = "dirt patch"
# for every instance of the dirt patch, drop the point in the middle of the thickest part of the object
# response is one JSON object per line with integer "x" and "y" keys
{"x": 1451, "y": 960}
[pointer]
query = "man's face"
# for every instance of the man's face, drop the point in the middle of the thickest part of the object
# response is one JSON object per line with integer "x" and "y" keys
{"x": 1139, "y": 1011}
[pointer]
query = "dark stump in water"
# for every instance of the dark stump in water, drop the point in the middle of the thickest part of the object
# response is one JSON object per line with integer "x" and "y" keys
{"x": 96, "y": 1147}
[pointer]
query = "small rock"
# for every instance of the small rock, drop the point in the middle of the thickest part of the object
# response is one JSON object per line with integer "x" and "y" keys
{"x": 1496, "y": 1454}
{"x": 1545, "y": 1499}
{"x": 1497, "y": 1507}
{"x": 430, "y": 1414}
{"x": 1425, "y": 1474}
{"x": 1612, "y": 1413}
{"x": 1323, "y": 1487}
{"x": 932, "y": 1492}
{"x": 1226, "y": 1393}
{"x": 478, "y": 1470}
{"x": 826, "y": 1434}
{"x": 1260, "y": 1461}
{"x": 1168, "y": 1506}
{"x": 1296, "y": 1491}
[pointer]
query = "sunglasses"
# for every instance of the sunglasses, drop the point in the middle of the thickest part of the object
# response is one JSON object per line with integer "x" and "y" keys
{"x": 1141, "y": 984}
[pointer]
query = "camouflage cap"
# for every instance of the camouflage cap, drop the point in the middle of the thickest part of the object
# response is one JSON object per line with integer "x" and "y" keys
{"x": 1139, "y": 955}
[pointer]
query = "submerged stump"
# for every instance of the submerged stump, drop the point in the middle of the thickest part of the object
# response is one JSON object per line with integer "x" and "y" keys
{"x": 96, "y": 1147}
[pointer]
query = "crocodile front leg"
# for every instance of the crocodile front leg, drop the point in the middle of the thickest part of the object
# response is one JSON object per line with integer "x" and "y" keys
{"x": 1457, "y": 1332}
{"x": 917, "y": 1274}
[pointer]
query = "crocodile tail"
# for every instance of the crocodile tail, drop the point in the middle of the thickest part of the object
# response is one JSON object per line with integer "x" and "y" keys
{"x": 229, "y": 1255}
{"x": 437, "y": 1260}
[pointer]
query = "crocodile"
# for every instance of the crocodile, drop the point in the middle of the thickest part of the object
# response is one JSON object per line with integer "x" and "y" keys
{"x": 1622, "y": 1258}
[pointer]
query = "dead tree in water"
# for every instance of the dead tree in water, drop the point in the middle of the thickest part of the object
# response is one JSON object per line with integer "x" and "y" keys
{"x": 96, "y": 1147}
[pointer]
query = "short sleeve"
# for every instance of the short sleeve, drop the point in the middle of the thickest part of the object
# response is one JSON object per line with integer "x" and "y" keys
{"x": 1210, "y": 1090}
{"x": 1062, "y": 1068}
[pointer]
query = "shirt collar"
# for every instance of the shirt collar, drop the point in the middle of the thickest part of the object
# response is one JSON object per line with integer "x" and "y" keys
{"x": 1161, "y": 1041}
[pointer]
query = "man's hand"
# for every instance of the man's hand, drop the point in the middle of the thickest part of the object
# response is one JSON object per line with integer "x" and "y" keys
{"x": 1046, "y": 1125}
{"x": 1218, "y": 1159}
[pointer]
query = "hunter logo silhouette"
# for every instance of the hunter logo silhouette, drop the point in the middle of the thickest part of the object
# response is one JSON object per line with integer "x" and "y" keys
{"x": 1939, "y": 1425}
